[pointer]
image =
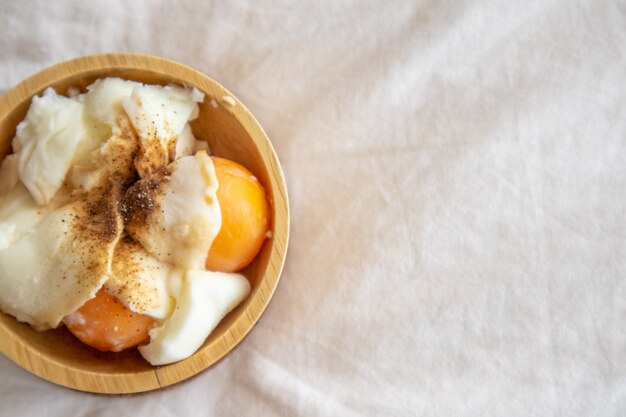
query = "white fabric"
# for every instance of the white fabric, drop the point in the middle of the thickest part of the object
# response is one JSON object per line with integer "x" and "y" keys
{"x": 458, "y": 190}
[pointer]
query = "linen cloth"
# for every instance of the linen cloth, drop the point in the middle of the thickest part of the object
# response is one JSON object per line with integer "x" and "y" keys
{"x": 457, "y": 182}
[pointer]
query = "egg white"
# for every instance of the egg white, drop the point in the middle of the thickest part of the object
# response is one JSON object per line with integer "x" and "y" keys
{"x": 185, "y": 215}
{"x": 59, "y": 264}
{"x": 141, "y": 281}
{"x": 45, "y": 143}
{"x": 204, "y": 298}
{"x": 66, "y": 151}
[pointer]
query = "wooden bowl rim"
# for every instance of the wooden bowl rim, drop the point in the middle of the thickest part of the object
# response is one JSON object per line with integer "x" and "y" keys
{"x": 19, "y": 351}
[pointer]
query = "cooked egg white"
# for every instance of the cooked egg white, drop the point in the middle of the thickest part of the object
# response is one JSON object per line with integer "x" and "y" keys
{"x": 60, "y": 263}
{"x": 18, "y": 211}
{"x": 187, "y": 144}
{"x": 183, "y": 204}
{"x": 103, "y": 100}
{"x": 147, "y": 129}
{"x": 62, "y": 237}
{"x": 204, "y": 298}
{"x": 141, "y": 281}
{"x": 159, "y": 115}
{"x": 45, "y": 143}
{"x": 19, "y": 214}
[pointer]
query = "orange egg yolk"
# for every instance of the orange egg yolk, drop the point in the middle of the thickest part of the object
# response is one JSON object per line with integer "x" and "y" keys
{"x": 104, "y": 323}
{"x": 245, "y": 217}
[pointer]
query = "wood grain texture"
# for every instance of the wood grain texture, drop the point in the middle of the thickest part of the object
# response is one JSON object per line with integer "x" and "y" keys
{"x": 232, "y": 132}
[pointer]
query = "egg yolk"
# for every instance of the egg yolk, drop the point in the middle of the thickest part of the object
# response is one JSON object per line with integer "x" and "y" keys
{"x": 245, "y": 217}
{"x": 104, "y": 323}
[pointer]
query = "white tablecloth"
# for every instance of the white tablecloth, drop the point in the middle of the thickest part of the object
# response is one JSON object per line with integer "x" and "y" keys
{"x": 457, "y": 175}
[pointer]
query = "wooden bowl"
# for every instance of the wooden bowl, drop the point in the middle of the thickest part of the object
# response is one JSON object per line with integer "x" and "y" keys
{"x": 233, "y": 133}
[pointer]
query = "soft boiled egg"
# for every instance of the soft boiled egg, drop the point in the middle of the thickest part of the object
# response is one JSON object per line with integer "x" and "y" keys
{"x": 113, "y": 219}
{"x": 148, "y": 284}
